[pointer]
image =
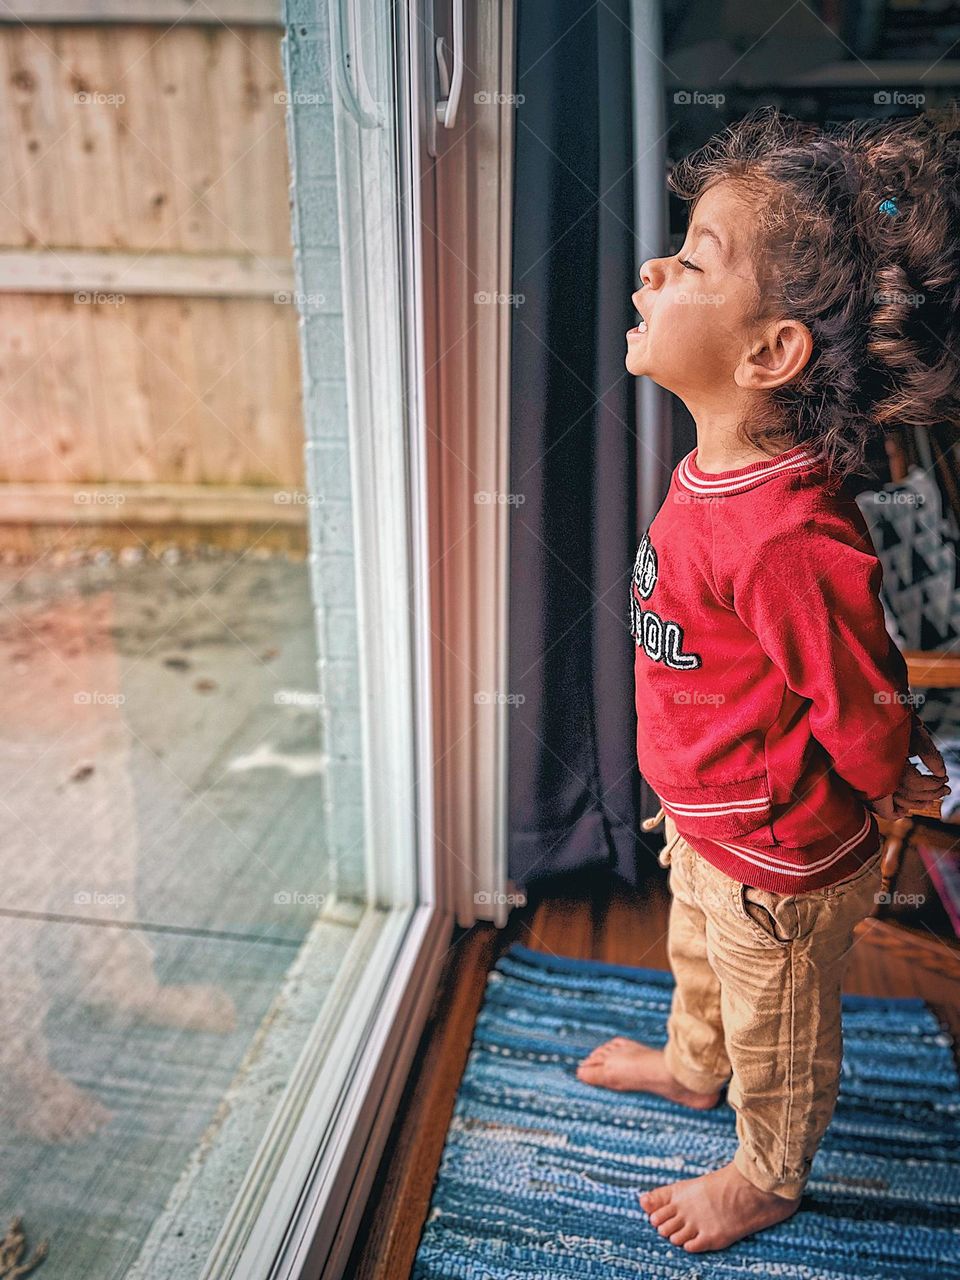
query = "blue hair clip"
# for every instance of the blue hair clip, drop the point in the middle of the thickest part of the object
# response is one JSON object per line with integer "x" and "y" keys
{"x": 888, "y": 206}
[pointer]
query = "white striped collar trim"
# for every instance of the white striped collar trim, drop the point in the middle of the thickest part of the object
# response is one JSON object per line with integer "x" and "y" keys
{"x": 798, "y": 458}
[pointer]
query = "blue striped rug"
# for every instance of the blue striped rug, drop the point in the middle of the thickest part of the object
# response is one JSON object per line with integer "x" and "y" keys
{"x": 540, "y": 1173}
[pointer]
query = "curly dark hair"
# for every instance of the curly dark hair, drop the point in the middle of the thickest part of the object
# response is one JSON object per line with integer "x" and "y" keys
{"x": 876, "y": 283}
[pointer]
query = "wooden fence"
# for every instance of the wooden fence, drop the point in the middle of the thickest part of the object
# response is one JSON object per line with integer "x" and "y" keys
{"x": 149, "y": 363}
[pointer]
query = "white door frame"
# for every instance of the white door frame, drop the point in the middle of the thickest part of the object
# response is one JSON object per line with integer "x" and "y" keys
{"x": 456, "y": 473}
{"x": 468, "y": 211}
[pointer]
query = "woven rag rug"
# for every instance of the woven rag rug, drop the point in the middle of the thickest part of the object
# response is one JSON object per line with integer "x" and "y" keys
{"x": 540, "y": 1173}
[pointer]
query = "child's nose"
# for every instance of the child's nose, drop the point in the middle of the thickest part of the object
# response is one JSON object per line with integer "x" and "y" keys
{"x": 651, "y": 273}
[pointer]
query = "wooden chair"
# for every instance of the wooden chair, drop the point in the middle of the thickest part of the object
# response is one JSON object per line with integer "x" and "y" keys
{"x": 928, "y": 669}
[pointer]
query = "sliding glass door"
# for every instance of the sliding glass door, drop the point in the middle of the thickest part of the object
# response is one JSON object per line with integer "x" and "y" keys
{"x": 350, "y": 117}
{"x": 219, "y": 918}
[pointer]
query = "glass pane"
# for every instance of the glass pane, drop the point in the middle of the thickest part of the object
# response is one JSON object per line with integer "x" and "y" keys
{"x": 199, "y": 857}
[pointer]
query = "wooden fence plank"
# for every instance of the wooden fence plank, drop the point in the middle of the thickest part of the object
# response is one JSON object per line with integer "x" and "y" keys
{"x": 150, "y": 390}
{"x": 182, "y": 12}
{"x": 163, "y": 274}
{"x": 89, "y": 99}
{"x": 40, "y": 195}
{"x": 37, "y": 504}
{"x": 144, "y": 234}
{"x": 148, "y": 181}
{"x": 125, "y": 138}
{"x": 131, "y": 422}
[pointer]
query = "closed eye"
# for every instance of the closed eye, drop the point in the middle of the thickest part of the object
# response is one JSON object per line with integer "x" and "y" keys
{"x": 689, "y": 265}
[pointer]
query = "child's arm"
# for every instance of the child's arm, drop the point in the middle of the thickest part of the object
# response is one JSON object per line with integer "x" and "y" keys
{"x": 810, "y": 594}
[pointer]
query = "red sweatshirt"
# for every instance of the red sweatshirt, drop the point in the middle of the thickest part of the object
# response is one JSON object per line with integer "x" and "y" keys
{"x": 771, "y": 699}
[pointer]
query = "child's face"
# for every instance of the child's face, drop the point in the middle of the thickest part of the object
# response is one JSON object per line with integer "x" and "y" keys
{"x": 697, "y": 305}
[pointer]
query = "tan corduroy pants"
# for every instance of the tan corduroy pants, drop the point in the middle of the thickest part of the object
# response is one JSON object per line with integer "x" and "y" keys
{"x": 757, "y": 1003}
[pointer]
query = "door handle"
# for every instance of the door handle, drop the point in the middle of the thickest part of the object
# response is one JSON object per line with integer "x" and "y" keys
{"x": 449, "y": 102}
{"x": 348, "y": 66}
{"x": 444, "y": 74}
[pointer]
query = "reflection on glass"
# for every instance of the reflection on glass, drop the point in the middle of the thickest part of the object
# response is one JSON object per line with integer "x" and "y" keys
{"x": 177, "y": 892}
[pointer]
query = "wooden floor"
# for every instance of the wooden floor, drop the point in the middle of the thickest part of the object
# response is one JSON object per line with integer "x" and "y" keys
{"x": 593, "y": 917}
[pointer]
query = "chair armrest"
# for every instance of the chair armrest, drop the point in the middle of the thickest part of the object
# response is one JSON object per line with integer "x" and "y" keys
{"x": 894, "y": 834}
{"x": 932, "y": 669}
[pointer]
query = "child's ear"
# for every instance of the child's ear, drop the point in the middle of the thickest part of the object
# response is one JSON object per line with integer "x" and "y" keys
{"x": 776, "y": 357}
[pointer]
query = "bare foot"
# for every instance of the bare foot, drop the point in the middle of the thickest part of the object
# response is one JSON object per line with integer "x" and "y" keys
{"x": 631, "y": 1066}
{"x": 713, "y": 1211}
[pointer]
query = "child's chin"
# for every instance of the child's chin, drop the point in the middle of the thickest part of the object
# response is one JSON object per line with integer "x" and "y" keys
{"x": 641, "y": 368}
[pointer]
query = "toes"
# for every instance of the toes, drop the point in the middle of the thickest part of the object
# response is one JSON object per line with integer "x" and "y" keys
{"x": 666, "y": 1213}
{"x": 670, "y": 1224}
{"x": 684, "y": 1234}
{"x": 597, "y": 1054}
{"x": 698, "y": 1244}
{"x": 593, "y": 1074}
{"x": 655, "y": 1199}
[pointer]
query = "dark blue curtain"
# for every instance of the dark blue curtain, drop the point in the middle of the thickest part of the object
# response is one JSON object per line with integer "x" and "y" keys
{"x": 575, "y": 788}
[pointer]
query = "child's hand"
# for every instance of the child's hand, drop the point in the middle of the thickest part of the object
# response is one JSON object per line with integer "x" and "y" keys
{"x": 885, "y": 808}
{"x": 922, "y": 745}
{"x": 917, "y": 790}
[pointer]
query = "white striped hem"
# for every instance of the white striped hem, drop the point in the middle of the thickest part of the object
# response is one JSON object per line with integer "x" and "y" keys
{"x": 796, "y": 459}
{"x": 707, "y": 810}
{"x": 769, "y": 863}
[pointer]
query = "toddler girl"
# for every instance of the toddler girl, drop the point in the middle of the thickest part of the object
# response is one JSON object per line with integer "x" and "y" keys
{"x": 815, "y": 298}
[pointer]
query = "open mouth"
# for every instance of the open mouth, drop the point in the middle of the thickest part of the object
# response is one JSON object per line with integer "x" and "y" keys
{"x": 642, "y": 326}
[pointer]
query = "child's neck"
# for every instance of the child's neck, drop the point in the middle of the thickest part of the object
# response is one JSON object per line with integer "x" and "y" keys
{"x": 719, "y": 450}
